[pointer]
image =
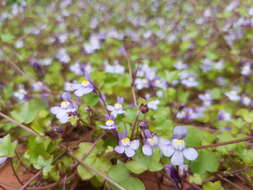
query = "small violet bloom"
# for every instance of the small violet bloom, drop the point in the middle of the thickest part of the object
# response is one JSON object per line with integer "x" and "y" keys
{"x": 63, "y": 56}
{"x": 177, "y": 148}
{"x": 109, "y": 124}
{"x": 126, "y": 146}
{"x": 80, "y": 89}
{"x": 78, "y": 68}
{"x": 2, "y": 159}
{"x": 21, "y": 93}
{"x": 65, "y": 110}
{"x": 246, "y": 69}
{"x": 153, "y": 104}
{"x": 115, "y": 68}
{"x": 188, "y": 79}
{"x": 224, "y": 116}
{"x": 233, "y": 95}
{"x": 206, "y": 98}
{"x": 117, "y": 109}
{"x": 246, "y": 100}
{"x": 153, "y": 142}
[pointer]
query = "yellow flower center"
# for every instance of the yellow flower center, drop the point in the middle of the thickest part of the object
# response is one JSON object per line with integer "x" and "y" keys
{"x": 65, "y": 104}
{"x": 118, "y": 106}
{"x": 145, "y": 81}
{"x": 178, "y": 144}
{"x": 152, "y": 141}
{"x": 125, "y": 141}
{"x": 158, "y": 82}
{"x": 109, "y": 122}
{"x": 85, "y": 83}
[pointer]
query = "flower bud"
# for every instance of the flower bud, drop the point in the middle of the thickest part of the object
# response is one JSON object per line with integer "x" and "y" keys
{"x": 144, "y": 108}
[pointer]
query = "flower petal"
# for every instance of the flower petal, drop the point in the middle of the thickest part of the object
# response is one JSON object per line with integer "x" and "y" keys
{"x": 55, "y": 109}
{"x": 163, "y": 141}
{"x": 119, "y": 149}
{"x": 129, "y": 152}
{"x": 108, "y": 128}
{"x": 3, "y": 159}
{"x": 167, "y": 150}
{"x": 147, "y": 150}
{"x": 190, "y": 153}
{"x": 110, "y": 108}
{"x": 177, "y": 158}
{"x": 81, "y": 91}
{"x": 179, "y": 132}
{"x": 135, "y": 144}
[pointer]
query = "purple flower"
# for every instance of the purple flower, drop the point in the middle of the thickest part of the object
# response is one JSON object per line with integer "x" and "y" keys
{"x": 21, "y": 93}
{"x": 141, "y": 83}
{"x": 63, "y": 56}
{"x": 2, "y": 159}
{"x": 109, "y": 124}
{"x": 117, "y": 109}
{"x": 224, "y": 116}
{"x": 126, "y": 146}
{"x": 115, "y": 68}
{"x": 153, "y": 142}
{"x": 66, "y": 108}
{"x": 78, "y": 68}
{"x": 246, "y": 69}
{"x": 153, "y": 104}
{"x": 177, "y": 148}
{"x": 190, "y": 113}
{"x": 80, "y": 89}
{"x": 92, "y": 45}
{"x": 233, "y": 95}
{"x": 188, "y": 79}
{"x": 173, "y": 173}
{"x": 246, "y": 100}
{"x": 206, "y": 98}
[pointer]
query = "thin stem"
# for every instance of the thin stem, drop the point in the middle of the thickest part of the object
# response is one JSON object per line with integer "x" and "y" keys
{"x": 31, "y": 131}
{"x": 90, "y": 150}
{"x": 225, "y": 143}
{"x": 30, "y": 180}
{"x": 135, "y": 123}
{"x": 15, "y": 173}
{"x": 132, "y": 80}
{"x": 97, "y": 172}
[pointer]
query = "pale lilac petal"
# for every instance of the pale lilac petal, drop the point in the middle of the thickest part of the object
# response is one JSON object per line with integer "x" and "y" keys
{"x": 106, "y": 127}
{"x": 179, "y": 132}
{"x": 81, "y": 91}
{"x": 147, "y": 150}
{"x": 135, "y": 144}
{"x": 55, "y": 109}
{"x": 3, "y": 159}
{"x": 163, "y": 141}
{"x": 110, "y": 108}
{"x": 167, "y": 150}
{"x": 119, "y": 149}
{"x": 190, "y": 153}
{"x": 64, "y": 119}
{"x": 177, "y": 158}
{"x": 129, "y": 152}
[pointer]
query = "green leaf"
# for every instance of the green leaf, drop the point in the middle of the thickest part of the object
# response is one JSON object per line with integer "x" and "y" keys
{"x": 141, "y": 163}
{"x": 7, "y": 148}
{"x": 7, "y": 37}
{"x": 93, "y": 159}
{"x": 28, "y": 111}
{"x": 136, "y": 166}
{"x": 120, "y": 174}
{"x": 213, "y": 186}
{"x": 207, "y": 162}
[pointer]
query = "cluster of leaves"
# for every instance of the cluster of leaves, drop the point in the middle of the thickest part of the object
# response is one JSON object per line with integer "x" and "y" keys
{"x": 212, "y": 40}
